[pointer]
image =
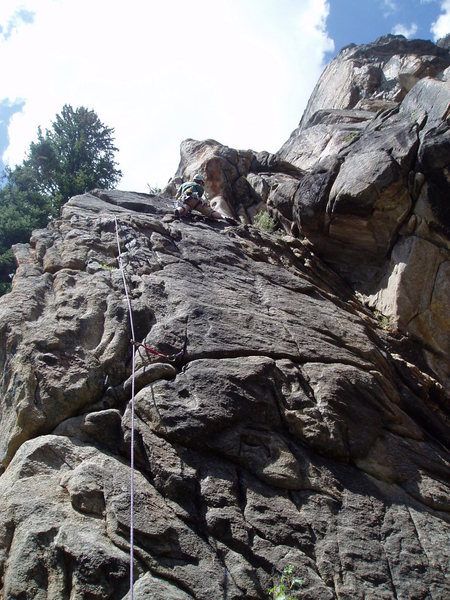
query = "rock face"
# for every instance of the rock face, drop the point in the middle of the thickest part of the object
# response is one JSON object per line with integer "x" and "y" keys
{"x": 365, "y": 178}
{"x": 291, "y": 427}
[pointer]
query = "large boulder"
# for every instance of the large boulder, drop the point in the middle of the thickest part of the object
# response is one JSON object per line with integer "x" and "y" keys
{"x": 374, "y": 198}
{"x": 372, "y": 74}
{"x": 359, "y": 83}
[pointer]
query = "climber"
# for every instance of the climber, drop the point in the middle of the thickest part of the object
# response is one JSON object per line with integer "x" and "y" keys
{"x": 189, "y": 198}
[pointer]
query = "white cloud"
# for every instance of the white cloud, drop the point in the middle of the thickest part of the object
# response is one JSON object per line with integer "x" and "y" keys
{"x": 159, "y": 72}
{"x": 12, "y": 16}
{"x": 389, "y": 7}
{"x": 441, "y": 26}
{"x": 7, "y": 9}
{"x": 407, "y": 31}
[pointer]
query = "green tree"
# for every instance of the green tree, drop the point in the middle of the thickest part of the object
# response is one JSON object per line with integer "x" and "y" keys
{"x": 75, "y": 155}
{"x": 20, "y": 213}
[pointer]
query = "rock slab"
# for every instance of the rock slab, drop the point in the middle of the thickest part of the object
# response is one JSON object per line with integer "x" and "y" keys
{"x": 293, "y": 429}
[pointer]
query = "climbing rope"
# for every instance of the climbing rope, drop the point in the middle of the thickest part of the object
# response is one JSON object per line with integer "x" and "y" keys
{"x": 133, "y": 369}
{"x": 168, "y": 357}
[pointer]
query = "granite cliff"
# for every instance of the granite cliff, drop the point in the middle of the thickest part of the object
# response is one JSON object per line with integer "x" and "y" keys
{"x": 297, "y": 426}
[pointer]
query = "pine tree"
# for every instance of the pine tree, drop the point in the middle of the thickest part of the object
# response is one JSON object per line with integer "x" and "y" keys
{"x": 74, "y": 156}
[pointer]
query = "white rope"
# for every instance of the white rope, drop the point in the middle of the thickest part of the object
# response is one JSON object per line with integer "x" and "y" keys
{"x": 132, "y": 415}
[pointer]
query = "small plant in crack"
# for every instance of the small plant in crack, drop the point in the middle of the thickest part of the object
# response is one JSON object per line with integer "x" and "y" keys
{"x": 262, "y": 220}
{"x": 351, "y": 136}
{"x": 286, "y": 587}
{"x": 385, "y": 322}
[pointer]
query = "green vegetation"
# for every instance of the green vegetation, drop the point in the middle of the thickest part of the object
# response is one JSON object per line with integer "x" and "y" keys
{"x": 262, "y": 220}
{"x": 351, "y": 136}
{"x": 385, "y": 321}
{"x": 75, "y": 155}
{"x": 285, "y": 589}
{"x": 154, "y": 189}
{"x": 21, "y": 211}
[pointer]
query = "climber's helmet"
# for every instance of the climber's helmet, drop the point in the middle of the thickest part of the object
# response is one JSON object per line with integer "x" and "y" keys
{"x": 198, "y": 178}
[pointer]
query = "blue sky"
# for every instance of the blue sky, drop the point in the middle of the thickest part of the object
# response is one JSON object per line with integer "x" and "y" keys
{"x": 362, "y": 21}
{"x": 240, "y": 72}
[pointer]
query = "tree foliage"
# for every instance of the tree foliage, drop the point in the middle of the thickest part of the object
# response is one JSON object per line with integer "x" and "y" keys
{"x": 75, "y": 155}
{"x": 20, "y": 213}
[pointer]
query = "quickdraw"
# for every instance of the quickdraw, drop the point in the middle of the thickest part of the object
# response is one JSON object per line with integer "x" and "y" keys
{"x": 168, "y": 357}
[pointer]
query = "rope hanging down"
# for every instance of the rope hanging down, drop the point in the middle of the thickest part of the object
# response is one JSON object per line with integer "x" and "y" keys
{"x": 133, "y": 370}
{"x": 136, "y": 346}
{"x": 168, "y": 357}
